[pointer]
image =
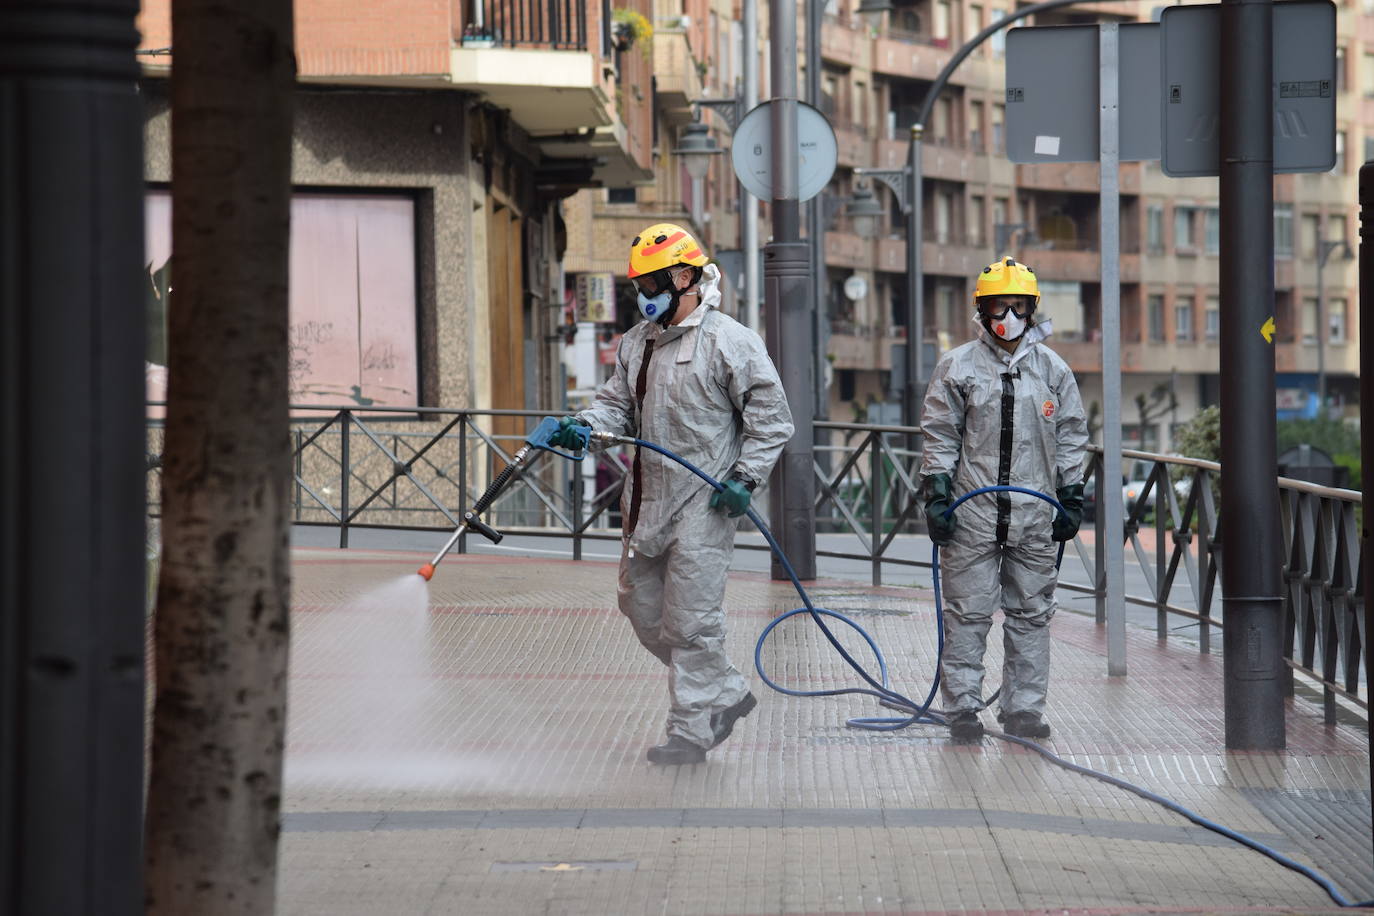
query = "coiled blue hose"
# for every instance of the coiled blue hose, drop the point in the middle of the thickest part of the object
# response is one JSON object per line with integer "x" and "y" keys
{"x": 923, "y": 714}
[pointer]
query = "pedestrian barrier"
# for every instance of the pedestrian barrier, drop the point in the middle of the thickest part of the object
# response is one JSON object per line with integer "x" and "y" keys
{"x": 422, "y": 468}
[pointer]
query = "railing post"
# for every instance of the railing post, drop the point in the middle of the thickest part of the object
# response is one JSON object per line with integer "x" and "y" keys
{"x": 1163, "y": 512}
{"x": 1100, "y": 543}
{"x": 344, "y": 419}
{"x": 296, "y": 479}
{"x": 577, "y": 485}
{"x": 463, "y": 477}
{"x": 875, "y": 505}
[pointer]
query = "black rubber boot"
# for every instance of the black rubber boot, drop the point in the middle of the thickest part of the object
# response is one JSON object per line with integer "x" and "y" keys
{"x": 1026, "y": 725}
{"x": 965, "y": 728}
{"x": 676, "y": 752}
{"x": 723, "y": 722}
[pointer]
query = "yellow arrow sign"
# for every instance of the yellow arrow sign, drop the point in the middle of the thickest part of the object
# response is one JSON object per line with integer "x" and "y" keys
{"x": 1267, "y": 329}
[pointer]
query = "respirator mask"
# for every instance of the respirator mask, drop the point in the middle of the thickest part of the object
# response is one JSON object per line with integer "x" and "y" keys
{"x": 1006, "y": 316}
{"x": 657, "y": 295}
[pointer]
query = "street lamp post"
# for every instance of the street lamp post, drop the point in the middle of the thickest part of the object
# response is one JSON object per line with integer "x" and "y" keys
{"x": 1324, "y": 251}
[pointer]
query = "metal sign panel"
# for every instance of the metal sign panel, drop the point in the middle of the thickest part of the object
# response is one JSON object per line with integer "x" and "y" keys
{"x": 751, "y": 152}
{"x": 1304, "y": 88}
{"x": 1052, "y": 93}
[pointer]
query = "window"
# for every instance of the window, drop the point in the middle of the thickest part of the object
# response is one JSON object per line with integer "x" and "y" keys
{"x": 1211, "y": 319}
{"x": 1001, "y": 207}
{"x": 1154, "y": 308}
{"x": 1309, "y": 321}
{"x": 620, "y": 195}
{"x": 1341, "y": 81}
{"x": 1283, "y": 230}
{"x": 1339, "y": 167}
{"x": 1367, "y": 74}
{"x": 999, "y": 118}
{"x": 977, "y": 218}
{"x": 1336, "y": 325}
{"x": 941, "y": 32}
{"x": 1368, "y": 147}
{"x": 944, "y": 217}
{"x": 1310, "y": 234}
{"x": 1367, "y": 7}
{"x": 1183, "y": 319}
{"x": 1154, "y": 229}
{"x": 975, "y": 126}
{"x": 944, "y": 120}
{"x": 975, "y": 20}
{"x": 1184, "y": 242}
{"x": 999, "y": 38}
{"x": 1212, "y": 230}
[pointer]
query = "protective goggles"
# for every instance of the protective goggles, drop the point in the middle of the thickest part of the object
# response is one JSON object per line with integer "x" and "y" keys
{"x": 654, "y": 283}
{"x": 997, "y": 306}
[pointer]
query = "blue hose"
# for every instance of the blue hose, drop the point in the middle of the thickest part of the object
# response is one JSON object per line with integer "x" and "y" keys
{"x": 923, "y": 714}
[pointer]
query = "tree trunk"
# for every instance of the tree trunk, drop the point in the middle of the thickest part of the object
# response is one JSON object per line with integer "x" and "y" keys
{"x": 214, "y": 797}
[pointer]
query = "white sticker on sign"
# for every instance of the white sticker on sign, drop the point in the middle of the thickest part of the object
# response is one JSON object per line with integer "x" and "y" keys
{"x": 1047, "y": 146}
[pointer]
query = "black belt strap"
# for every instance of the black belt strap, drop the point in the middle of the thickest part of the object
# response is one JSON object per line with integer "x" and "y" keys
{"x": 1004, "y": 457}
{"x": 641, "y": 382}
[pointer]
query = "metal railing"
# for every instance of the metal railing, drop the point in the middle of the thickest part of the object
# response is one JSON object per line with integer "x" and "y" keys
{"x": 553, "y": 24}
{"x": 421, "y": 468}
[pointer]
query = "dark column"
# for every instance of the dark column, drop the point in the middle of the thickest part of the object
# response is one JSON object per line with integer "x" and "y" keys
{"x": 1252, "y": 542}
{"x": 1367, "y": 413}
{"x": 71, "y": 459}
{"x": 787, "y": 292}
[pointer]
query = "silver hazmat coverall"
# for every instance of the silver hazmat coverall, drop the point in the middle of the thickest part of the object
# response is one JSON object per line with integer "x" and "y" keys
{"x": 993, "y": 417}
{"x": 704, "y": 389}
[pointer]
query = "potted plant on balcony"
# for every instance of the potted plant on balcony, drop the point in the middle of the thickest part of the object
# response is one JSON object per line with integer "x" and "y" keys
{"x": 630, "y": 27}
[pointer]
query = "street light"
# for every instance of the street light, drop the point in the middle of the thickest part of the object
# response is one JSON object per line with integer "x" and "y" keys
{"x": 1324, "y": 251}
{"x": 872, "y": 11}
{"x": 864, "y": 211}
{"x": 695, "y": 148}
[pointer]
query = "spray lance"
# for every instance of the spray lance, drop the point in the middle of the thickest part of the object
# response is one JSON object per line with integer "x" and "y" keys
{"x": 536, "y": 440}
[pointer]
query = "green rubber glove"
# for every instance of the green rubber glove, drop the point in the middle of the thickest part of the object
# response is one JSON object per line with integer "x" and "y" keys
{"x": 570, "y": 434}
{"x": 734, "y": 499}
{"x": 939, "y": 491}
{"x": 1066, "y": 523}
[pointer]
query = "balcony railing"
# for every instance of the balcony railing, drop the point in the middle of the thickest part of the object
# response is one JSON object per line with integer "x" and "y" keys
{"x": 421, "y": 468}
{"x": 550, "y": 24}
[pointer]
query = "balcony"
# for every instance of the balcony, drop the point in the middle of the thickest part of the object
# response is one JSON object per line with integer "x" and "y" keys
{"x": 1075, "y": 176}
{"x": 1191, "y": 357}
{"x": 1077, "y": 260}
{"x": 913, "y": 57}
{"x": 854, "y": 144}
{"x": 535, "y": 60}
{"x": 678, "y": 80}
{"x": 949, "y": 160}
{"x": 856, "y": 346}
{"x": 842, "y": 44}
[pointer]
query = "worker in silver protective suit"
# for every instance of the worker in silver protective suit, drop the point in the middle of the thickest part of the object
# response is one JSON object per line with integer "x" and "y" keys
{"x": 696, "y": 382}
{"x": 1001, "y": 409}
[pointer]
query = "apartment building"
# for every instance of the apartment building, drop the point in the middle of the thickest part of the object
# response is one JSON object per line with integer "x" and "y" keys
{"x": 435, "y": 143}
{"x": 695, "y": 53}
{"x": 978, "y": 206}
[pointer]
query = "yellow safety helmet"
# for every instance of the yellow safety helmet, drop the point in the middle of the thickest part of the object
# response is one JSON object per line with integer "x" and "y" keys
{"x": 664, "y": 245}
{"x": 1006, "y": 277}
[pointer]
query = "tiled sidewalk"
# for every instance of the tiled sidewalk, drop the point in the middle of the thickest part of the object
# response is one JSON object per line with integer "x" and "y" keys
{"x": 476, "y": 746}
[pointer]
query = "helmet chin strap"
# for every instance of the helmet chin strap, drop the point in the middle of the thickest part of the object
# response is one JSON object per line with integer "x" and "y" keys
{"x": 676, "y": 297}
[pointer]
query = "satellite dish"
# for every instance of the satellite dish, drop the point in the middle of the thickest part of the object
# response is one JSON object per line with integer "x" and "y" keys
{"x": 855, "y": 288}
